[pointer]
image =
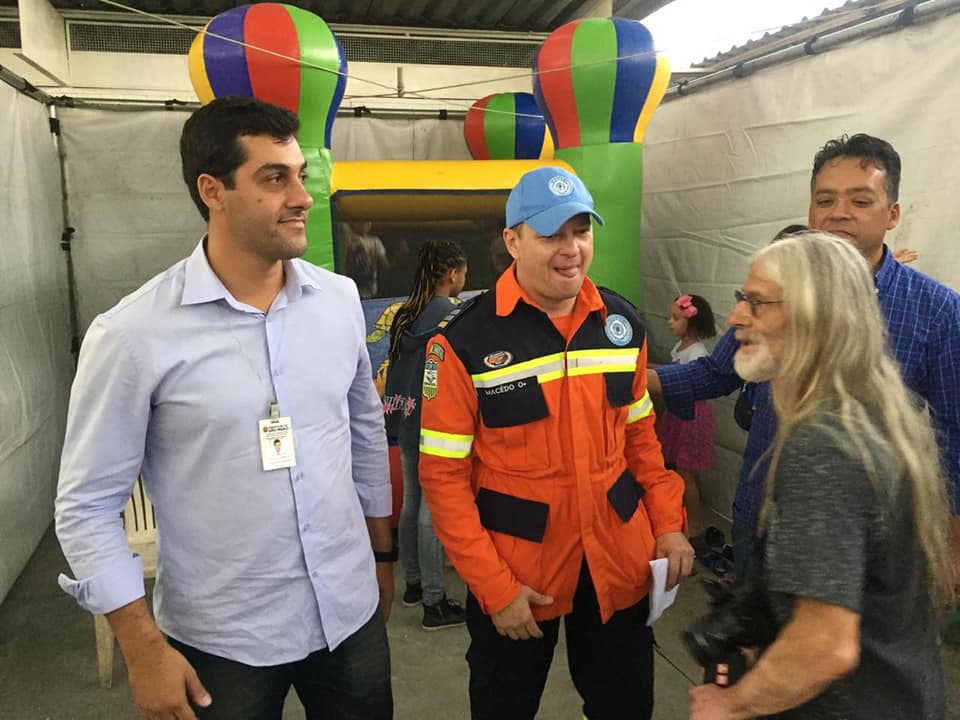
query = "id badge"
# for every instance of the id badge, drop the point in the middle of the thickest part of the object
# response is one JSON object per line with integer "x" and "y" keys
{"x": 276, "y": 443}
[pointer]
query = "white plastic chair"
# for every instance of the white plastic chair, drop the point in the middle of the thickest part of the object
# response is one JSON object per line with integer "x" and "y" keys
{"x": 140, "y": 524}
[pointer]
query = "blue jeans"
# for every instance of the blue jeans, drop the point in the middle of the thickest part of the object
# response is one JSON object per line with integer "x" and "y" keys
{"x": 420, "y": 551}
{"x": 746, "y": 558}
{"x": 350, "y": 683}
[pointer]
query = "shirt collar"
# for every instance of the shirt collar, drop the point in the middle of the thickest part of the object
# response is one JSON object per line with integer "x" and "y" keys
{"x": 888, "y": 267}
{"x": 201, "y": 284}
{"x": 509, "y": 293}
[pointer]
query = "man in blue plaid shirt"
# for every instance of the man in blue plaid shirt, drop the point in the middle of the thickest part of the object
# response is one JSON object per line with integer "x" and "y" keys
{"x": 853, "y": 194}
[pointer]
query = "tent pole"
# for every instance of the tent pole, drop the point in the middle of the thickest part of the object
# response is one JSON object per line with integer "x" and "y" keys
{"x": 66, "y": 239}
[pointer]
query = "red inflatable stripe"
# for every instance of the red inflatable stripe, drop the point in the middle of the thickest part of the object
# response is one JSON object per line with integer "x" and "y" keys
{"x": 473, "y": 130}
{"x": 273, "y": 79}
{"x": 556, "y": 84}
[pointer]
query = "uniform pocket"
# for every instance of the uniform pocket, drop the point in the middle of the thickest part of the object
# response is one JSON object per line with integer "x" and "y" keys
{"x": 515, "y": 449}
{"x": 619, "y": 388}
{"x": 512, "y": 515}
{"x": 516, "y": 402}
{"x": 513, "y": 437}
{"x": 624, "y": 495}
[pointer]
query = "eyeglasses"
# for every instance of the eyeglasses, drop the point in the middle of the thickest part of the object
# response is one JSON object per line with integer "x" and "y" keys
{"x": 740, "y": 296}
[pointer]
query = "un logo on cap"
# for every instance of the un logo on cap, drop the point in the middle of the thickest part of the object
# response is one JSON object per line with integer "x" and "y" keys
{"x": 560, "y": 186}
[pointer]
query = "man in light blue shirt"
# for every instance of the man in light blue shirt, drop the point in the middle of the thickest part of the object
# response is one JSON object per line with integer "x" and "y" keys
{"x": 267, "y": 575}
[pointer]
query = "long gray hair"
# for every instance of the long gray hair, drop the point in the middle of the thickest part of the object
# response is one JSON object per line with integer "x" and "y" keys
{"x": 835, "y": 361}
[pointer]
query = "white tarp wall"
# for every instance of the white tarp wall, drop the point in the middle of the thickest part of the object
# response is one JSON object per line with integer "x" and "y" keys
{"x": 130, "y": 206}
{"x": 727, "y": 167}
{"x": 35, "y": 363}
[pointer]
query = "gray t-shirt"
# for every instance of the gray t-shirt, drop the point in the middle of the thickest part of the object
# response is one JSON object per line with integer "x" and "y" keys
{"x": 833, "y": 538}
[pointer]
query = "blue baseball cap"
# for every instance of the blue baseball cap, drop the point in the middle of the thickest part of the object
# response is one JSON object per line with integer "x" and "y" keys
{"x": 546, "y": 198}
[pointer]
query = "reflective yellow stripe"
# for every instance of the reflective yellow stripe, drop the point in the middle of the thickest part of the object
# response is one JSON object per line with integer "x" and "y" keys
{"x": 440, "y": 452}
{"x": 588, "y": 362}
{"x": 436, "y": 434}
{"x": 548, "y": 365}
{"x": 442, "y": 444}
{"x": 552, "y": 367}
{"x": 600, "y": 368}
{"x": 640, "y": 409}
{"x": 547, "y": 377}
{"x": 622, "y": 353}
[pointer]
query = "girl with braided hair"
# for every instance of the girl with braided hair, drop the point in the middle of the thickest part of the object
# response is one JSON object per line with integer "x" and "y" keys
{"x": 440, "y": 276}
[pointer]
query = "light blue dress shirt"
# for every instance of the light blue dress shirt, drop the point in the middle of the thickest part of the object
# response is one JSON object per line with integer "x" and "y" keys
{"x": 258, "y": 567}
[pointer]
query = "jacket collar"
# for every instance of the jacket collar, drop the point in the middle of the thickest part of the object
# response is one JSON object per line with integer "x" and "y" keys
{"x": 509, "y": 293}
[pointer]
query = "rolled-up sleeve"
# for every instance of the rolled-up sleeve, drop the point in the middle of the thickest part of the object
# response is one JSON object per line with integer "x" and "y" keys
{"x": 101, "y": 460}
{"x": 703, "y": 379}
{"x": 368, "y": 438}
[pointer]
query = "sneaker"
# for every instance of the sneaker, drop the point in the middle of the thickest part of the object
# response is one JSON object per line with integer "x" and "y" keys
{"x": 413, "y": 595}
{"x": 445, "y": 614}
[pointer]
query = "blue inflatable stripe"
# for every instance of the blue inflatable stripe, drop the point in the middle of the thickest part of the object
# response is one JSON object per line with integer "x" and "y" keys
{"x": 226, "y": 62}
{"x": 634, "y": 77}
{"x": 337, "y": 94}
{"x": 528, "y": 139}
{"x": 541, "y": 103}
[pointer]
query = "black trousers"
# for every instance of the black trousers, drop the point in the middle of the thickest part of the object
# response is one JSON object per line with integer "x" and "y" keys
{"x": 350, "y": 683}
{"x": 611, "y": 664}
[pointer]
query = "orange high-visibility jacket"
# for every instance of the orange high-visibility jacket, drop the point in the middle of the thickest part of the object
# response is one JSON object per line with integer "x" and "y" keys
{"x": 536, "y": 449}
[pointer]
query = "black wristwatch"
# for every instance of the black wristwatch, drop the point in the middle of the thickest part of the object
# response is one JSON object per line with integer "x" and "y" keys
{"x": 386, "y": 556}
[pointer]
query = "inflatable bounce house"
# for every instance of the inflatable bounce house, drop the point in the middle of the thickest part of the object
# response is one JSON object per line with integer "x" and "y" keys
{"x": 596, "y": 85}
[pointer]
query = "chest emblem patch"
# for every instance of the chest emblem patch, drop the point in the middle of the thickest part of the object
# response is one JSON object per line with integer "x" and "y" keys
{"x": 618, "y": 330}
{"x": 498, "y": 359}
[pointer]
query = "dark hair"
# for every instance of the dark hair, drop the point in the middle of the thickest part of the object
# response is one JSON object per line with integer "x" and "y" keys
{"x": 702, "y": 324}
{"x": 435, "y": 258}
{"x": 208, "y": 143}
{"x": 870, "y": 150}
{"x": 790, "y": 230}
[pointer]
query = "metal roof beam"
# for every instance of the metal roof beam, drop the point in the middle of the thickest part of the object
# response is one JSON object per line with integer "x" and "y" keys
{"x": 382, "y": 11}
{"x": 413, "y": 12}
{"x": 441, "y": 11}
{"x": 498, "y": 10}
{"x": 562, "y": 9}
{"x": 520, "y": 13}
{"x": 638, "y": 9}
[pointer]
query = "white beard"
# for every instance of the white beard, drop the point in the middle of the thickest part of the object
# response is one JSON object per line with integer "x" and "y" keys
{"x": 757, "y": 366}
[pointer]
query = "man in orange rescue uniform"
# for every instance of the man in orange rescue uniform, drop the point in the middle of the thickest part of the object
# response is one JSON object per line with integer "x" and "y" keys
{"x": 542, "y": 471}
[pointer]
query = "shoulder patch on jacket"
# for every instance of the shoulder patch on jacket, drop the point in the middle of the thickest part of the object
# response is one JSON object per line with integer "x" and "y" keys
{"x": 458, "y": 312}
{"x": 618, "y": 305}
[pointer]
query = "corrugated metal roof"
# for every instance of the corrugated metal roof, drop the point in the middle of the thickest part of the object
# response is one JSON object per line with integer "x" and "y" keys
{"x": 853, "y": 12}
{"x": 504, "y": 15}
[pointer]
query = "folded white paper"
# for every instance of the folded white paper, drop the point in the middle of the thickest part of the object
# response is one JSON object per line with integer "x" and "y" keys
{"x": 660, "y": 597}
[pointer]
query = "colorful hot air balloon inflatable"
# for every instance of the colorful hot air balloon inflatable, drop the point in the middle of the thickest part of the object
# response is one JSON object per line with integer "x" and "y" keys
{"x": 286, "y": 56}
{"x": 507, "y": 126}
{"x": 597, "y": 82}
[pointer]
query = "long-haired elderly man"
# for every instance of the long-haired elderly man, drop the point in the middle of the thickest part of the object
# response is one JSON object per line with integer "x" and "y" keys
{"x": 854, "y": 522}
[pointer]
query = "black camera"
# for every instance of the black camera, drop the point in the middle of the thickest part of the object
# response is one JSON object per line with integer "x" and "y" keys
{"x": 739, "y": 617}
